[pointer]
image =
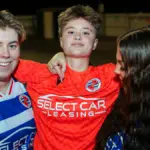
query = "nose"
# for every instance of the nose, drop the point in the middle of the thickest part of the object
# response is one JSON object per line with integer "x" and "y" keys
{"x": 4, "y": 52}
{"x": 77, "y": 36}
{"x": 117, "y": 69}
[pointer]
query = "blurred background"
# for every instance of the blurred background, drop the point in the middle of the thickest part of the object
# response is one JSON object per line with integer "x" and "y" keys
{"x": 40, "y": 21}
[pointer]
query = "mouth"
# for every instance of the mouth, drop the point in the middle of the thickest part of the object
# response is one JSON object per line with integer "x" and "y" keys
{"x": 77, "y": 44}
{"x": 3, "y": 65}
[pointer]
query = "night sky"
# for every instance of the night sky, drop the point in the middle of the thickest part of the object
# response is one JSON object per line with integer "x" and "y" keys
{"x": 25, "y": 7}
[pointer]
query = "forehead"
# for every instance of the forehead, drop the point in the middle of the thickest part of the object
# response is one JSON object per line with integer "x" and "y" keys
{"x": 8, "y": 34}
{"x": 79, "y": 23}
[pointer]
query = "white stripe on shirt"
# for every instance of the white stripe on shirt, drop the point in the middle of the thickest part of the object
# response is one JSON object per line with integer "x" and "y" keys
{"x": 15, "y": 121}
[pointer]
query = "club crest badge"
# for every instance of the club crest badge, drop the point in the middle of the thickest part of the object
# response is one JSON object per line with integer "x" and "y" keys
{"x": 25, "y": 100}
{"x": 93, "y": 85}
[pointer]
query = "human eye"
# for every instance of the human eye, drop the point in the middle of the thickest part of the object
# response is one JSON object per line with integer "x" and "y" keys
{"x": 122, "y": 68}
{"x": 86, "y": 33}
{"x": 13, "y": 46}
{"x": 70, "y": 32}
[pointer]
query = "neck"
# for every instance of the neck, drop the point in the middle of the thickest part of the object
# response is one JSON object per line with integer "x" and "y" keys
{"x": 78, "y": 64}
{"x": 4, "y": 85}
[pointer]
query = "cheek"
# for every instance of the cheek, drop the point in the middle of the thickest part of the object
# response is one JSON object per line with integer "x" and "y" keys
{"x": 87, "y": 43}
{"x": 117, "y": 69}
{"x": 66, "y": 41}
{"x": 122, "y": 74}
{"x": 65, "y": 44}
{"x": 90, "y": 42}
{"x": 87, "y": 39}
{"x": 15, "y": 54}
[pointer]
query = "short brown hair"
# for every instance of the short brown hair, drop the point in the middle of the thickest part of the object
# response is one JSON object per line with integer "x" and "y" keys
{"x": 9, "y": 20}
{"x": 80, "y": 11}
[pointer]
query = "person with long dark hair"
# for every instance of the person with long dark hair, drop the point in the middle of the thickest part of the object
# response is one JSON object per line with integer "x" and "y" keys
{"x": 128, "y": 125}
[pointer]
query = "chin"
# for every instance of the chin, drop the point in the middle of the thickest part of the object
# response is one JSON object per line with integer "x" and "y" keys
{"x": 5, "y": 78}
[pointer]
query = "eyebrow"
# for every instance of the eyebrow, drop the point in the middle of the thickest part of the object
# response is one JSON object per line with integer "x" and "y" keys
{"x": 87, "y": 28}
{"x": 13, "y": 42}
{"x": 10, "y": 42}
{"x": 71, "y": 27}
{"x": 120, "y": 61}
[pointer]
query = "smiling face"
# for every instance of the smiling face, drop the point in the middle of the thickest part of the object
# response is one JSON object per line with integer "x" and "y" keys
{"x": 9, "y": 52}
{"x": 78, "y": 38}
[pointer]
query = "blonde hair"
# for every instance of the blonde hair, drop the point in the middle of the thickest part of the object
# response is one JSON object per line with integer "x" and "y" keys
{"x": 9, "y": 20}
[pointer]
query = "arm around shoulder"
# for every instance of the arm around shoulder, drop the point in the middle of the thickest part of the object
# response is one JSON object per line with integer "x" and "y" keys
{"x": 29, "y": 71}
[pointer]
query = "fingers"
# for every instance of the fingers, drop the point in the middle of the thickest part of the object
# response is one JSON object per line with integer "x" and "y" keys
{"x": 56, "y": 70}
{"x": 63, "y": 66}
{"x": 52, "y": 68}
{"x": 59, "y": 72}
{"x": 57, "y": 65}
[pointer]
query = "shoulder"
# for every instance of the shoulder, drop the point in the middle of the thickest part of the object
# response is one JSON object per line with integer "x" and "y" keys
{"x": 31, "y": 64}
{"x": 107, "y": 76}
{"x": 31, "y": 71}
{"x": 106, "y": 68}
{"x": 105, "y": 71}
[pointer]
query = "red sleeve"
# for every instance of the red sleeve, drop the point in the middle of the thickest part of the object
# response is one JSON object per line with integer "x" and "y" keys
{"x": 30, "y": 71}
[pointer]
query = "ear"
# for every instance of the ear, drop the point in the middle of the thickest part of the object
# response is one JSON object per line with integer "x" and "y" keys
{"x": 95, "y": 44}
{"x": 61, "y": 42}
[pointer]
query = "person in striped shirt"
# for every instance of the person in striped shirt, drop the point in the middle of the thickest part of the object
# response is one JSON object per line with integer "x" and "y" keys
{"x": 17, "y": 127}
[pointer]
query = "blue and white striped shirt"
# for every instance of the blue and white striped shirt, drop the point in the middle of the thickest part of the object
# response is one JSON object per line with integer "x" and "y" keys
{"x": 17, "y": 127}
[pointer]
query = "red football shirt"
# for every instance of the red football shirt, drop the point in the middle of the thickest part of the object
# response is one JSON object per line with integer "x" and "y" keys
{"x": 69, "y": 115}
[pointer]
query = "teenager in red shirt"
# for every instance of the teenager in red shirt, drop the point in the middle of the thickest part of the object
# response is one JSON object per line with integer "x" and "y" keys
{"x": 69, "y": 114}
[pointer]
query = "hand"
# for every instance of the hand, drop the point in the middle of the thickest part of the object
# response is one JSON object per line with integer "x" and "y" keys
{"x": 57, "y": 65}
